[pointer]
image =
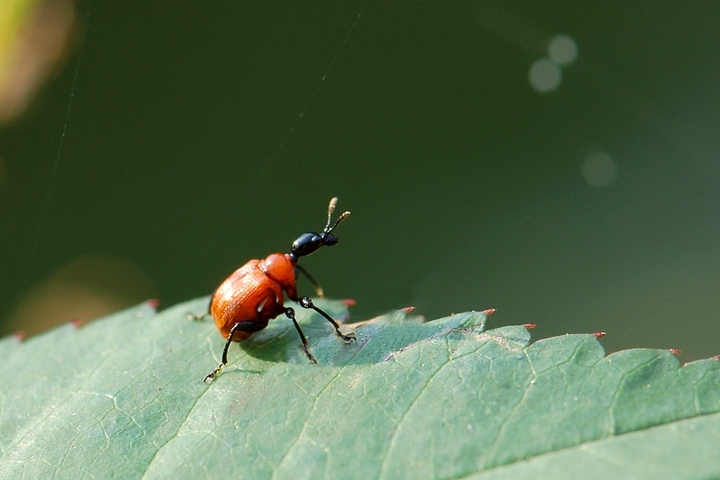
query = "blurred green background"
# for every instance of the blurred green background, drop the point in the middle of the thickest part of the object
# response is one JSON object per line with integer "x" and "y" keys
{"x": 558, "y": 161}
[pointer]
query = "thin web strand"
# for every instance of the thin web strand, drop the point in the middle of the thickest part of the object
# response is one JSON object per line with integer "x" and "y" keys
{"x": 231, "y": 218}
{"x": 35, "y": 244}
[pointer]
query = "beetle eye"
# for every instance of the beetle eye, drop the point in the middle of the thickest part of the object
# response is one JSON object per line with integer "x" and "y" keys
{"x": 330, "y": 239}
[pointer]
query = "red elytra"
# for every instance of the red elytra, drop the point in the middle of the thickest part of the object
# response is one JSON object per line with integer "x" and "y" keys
{"x": 253, "y": 295}
{"x": 254, "y": 292}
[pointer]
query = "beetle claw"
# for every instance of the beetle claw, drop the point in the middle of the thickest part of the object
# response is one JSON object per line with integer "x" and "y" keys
{"x": 195, "y": 317}
{"x": 211, "y": 376}
{"x": 310, "y": 356}
{"x": 348, "y": 338}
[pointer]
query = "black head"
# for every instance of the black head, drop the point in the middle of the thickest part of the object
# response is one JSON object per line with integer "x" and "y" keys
{"x": 307, "y": 243}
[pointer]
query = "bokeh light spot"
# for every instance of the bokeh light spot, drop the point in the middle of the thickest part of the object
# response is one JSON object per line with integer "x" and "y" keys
{"x": 563, "y": 49}
{"x": 599, "y": 169}
{"x": 88, "y": 288}
{"x": 544, "y": 75}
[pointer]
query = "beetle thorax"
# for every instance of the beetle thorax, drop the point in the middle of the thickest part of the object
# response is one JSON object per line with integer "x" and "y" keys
{"x": 281, "y": 269}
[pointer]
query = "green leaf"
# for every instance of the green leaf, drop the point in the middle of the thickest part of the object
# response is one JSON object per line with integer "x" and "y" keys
{"x": 124, "y": 397}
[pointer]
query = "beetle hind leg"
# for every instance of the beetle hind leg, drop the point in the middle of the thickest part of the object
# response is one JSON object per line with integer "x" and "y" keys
{"x": 245, "y": 326}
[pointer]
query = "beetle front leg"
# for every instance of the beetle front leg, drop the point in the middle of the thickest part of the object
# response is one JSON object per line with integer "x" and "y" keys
{"x": 305, "y": 302}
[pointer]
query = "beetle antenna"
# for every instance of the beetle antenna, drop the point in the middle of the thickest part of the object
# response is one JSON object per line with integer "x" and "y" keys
{"x": 331, "y": 209}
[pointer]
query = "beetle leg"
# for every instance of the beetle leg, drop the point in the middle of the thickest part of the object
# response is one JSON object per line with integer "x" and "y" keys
{"x": 291, "y": 315}
{"x": 245, "y": 326}
{"x": 313, "y": 282}
{"x": 305, "y": 302}
{"x": 199, "y": 318}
